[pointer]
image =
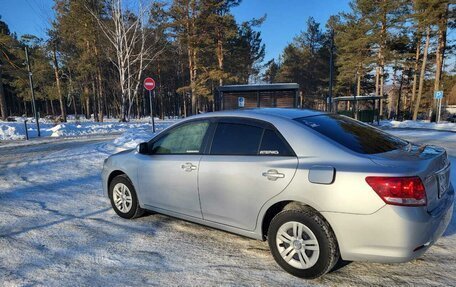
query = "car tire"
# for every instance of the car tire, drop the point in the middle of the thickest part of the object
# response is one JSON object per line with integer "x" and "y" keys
{"x": 303, "y": 243}
{"x": 124, "y": 200}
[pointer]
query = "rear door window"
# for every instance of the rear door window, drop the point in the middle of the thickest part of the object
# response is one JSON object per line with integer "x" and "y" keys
{"x": 236, "y": 139}
{"x": 354, "y": 135}
{"x": 273, "y": 144}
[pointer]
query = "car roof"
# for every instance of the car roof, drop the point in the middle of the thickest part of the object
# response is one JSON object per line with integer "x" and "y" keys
{"x": 265, "y": 112}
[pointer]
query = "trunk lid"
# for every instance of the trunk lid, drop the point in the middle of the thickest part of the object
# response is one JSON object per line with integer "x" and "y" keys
{"x": 430, "y": 163}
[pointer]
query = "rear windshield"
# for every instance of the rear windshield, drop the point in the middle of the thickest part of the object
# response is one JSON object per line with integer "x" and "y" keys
{"x": 355, "y": 135}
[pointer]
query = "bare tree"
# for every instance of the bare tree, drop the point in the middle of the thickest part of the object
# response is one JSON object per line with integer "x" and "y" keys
{"x": 135, "y": 48}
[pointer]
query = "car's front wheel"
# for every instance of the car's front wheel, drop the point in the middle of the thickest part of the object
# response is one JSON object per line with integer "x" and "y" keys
{"x": 302, "y": 243}
{"x": 123, "y": 198}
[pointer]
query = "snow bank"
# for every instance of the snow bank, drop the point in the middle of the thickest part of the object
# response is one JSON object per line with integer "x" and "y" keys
{"x": 16, "y": 130}
{"x": 419, "y": 125}
{"x": 133, "y": 136}
{"x": 9, "y": 132}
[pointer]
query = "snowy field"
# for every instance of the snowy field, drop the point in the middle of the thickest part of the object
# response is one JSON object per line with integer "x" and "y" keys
{"x": 58, "y": 229}
{"x": 443, "y": 126}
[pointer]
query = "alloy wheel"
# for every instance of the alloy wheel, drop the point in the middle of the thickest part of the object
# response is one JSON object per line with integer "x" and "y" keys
{"x": 122, "y": 197}
{"x": 297, "y": 245}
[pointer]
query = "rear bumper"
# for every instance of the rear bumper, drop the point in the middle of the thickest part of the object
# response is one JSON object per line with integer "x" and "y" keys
{"x": 392, "y": 234}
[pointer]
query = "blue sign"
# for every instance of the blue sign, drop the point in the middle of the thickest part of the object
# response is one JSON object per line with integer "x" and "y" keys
{"x": 241, "y": 102}
{"x": 438, "y": 95}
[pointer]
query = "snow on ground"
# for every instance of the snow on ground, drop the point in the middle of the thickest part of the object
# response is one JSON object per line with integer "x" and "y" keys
{"x": 58, "y": 229}
{"x": 16, "y": 130}
{"x": 445, "y": 126}
{"x": 133, "y": 136}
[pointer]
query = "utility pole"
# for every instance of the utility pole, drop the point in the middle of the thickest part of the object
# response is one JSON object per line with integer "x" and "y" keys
{"x": 33, "y": 92}
{"x": 331, "y": 64}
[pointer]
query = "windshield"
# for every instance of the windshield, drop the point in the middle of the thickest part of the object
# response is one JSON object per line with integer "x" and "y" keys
{"x": 354, "y": 135}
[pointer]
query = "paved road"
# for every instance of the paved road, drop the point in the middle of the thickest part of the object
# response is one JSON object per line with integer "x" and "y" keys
{"x": 23, "y": 151}
{"x": 56, "y": 229}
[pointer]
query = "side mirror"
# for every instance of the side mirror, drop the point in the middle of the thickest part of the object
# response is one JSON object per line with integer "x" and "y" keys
{"x": 142, "y": 148}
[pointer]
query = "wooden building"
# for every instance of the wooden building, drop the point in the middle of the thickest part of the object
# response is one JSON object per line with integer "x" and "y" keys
{"x": 283, "y": 95}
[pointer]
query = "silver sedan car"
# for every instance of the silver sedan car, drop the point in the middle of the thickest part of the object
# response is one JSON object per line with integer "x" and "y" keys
{"x": 319, "y": 187}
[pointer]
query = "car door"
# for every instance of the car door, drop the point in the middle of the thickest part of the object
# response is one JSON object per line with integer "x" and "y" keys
{"x": 168, "y": 174}
{"x": 247, "y": 164}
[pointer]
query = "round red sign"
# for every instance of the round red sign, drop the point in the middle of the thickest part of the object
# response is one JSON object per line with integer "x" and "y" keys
{"x": 149, "y": 84}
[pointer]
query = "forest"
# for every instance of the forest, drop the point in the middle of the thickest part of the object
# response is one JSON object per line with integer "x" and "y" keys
{"x": 97, "y": 53}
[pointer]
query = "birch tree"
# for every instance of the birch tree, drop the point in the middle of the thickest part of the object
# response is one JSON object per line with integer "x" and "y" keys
{"x": 135, "y": 47}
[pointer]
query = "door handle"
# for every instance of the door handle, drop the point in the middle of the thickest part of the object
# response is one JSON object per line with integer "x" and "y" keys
{"x": 188, "y": 167}
{"x": 273, "y": 174}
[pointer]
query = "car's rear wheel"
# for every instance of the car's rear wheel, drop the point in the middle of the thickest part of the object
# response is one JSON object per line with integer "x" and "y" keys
{"x": 123, "y": 198}
{"x": 302, "y": 243}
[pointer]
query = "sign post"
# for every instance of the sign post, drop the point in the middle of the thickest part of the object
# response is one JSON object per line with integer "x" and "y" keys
{"x": 149, "y": 84}
{"x": 438, "y": 95}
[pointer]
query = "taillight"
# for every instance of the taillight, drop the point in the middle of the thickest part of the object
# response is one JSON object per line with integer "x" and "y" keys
{"x": 408, "y": 191}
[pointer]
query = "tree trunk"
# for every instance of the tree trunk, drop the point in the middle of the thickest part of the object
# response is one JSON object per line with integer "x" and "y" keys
{"x": 99, "y": 79}
{"x": 399, "y": 98}
{"x": 358, "y": 93}
{"x": 160, "y": 91}
{"x": 192, "y": 67}
{"x": 3, "y": 110}
{"x": 406, "y": 100}
{"x": 46, "y": 102}
{"x": 422, "y": 73}
{"x": 74, "y": 107}
{"x": 63, "y": 113}
{"x": 382, "y": 59}
{"x": 185, "y": 105}
{"x": 220, "y": 56}
{"x": 191, "y": 50}
{"x": 415, "y": 72}
{"x": 382, "y": 79}
{"x": 52, "y": 107}
{"x": 377, "y": 80}
{"x": 392, "y": 91}
{"x": 440, "y": 53}
{"x": 100, "y": 94}
{"x": 87, "y": 102}
{"x": 138, "y": 107}
{"x": 95, "y": 101}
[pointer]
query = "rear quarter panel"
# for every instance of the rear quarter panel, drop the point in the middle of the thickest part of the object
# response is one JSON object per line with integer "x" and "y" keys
{"x": 349, "y": 191}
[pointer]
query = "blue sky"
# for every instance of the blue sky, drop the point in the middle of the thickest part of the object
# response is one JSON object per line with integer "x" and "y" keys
{"x": 285, "y": 19}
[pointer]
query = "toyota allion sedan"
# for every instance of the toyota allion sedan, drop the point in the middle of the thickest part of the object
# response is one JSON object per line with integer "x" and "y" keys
{"x": 319, "y": 187}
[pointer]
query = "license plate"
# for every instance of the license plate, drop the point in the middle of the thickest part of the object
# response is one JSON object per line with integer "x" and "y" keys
{"x": 444, "y": 181}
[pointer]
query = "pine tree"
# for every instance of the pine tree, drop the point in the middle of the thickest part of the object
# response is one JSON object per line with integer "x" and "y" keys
{"x": 305, "y": 61}
{"x": 271, "y": 72}
{"x": 427, "y": 15}
{"x": 185, "y": 14}
{"x": 355, "y": 56}
{"x": 5, "y": 46}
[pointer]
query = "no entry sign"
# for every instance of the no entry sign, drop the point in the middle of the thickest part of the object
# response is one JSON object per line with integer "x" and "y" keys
{"x": 149, "y": 84}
